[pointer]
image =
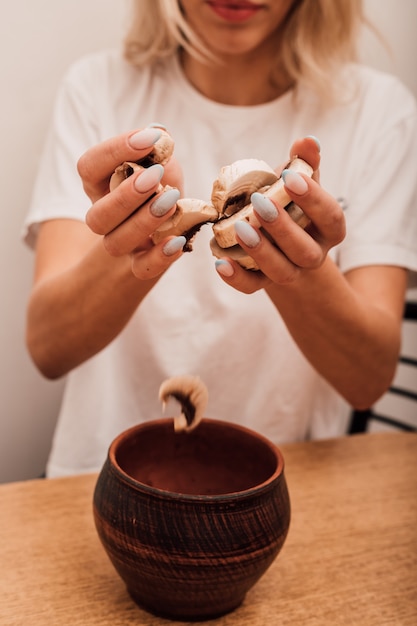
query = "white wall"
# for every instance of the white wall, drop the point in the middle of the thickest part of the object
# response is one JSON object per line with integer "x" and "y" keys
{"x": 396, "y": 20}
{"x": 38, "y": 40}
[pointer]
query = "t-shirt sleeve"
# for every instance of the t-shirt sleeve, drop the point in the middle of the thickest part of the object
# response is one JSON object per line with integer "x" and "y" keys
{"x": 58, "y": 190}
{"x": 381, "y": 216}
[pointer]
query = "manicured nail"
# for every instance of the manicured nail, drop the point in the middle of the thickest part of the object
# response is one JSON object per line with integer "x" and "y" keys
{"x": 157, "y": 125}
{"x": 224, "y": 268}
{"x": 314, "y": 138}
{"x": 264, "y": 207}
{"x": 149, "y": 178}
{"x": 247, "y": 234}
{"x": 174, "y": 245}
{"x": 294, "y": 182}
{"x": 144, "y": 138}
{"x": 164, "y": 203}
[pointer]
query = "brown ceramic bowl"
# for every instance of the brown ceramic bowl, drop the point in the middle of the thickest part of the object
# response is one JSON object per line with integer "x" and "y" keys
{"x": 192, "y": 520}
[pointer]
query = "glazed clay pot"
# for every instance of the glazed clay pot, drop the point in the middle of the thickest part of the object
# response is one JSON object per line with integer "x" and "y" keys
{"x": 191, "y": 521}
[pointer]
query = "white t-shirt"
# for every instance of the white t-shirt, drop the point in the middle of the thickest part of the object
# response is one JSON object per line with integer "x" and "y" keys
{"x": 191, "y": 322}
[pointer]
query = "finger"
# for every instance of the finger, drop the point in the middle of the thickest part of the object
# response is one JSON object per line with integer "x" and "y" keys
{"x": 270, "y": 260}
{"x": 326, "y": 214}
{"x": 150, "y": 264}
{"x": 173, "y": 175}
{"x": 246, "y": 281}
{"x": 292, "y": 240}
{"x": 99, "y": 162}
{"x": 135, "y": 232}
{"x": 308, "y": 149}
{"x": 114, "y": 208}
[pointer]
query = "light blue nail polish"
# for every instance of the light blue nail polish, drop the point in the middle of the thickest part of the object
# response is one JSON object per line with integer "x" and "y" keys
{"x": 145, "y": 138}
{"x": 314, "y": 138}
{"x": 294, "y": 181}
{"x": 264, "y": 206}
{"x": 164, "y": 203}
{"x": 174, "y": 245}
{"x": 247, "y": 234}
{"x": 224, "y": 268}
{"x": 284, "y": 174}
{"x": 157, "y": 125}
{"x": 149, "y": 178}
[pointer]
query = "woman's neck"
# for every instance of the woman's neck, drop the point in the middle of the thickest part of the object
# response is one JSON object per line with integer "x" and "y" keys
{"x": 235, "y": 81}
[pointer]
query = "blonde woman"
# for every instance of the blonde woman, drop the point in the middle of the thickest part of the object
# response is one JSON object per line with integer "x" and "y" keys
{"x": 287, "y": 349}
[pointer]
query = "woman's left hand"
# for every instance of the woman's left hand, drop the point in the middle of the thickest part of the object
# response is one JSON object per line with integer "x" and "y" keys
{"x": 288, "y": 250}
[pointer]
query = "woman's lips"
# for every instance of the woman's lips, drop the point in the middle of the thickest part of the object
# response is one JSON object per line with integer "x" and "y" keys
{"x": 238, "y": 11}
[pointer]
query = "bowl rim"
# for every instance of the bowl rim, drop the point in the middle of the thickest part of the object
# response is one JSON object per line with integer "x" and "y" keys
{"x": 165, "y": 493}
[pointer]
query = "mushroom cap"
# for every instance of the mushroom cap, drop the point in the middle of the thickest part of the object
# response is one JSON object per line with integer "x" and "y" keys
{"x": 236, "y": 183}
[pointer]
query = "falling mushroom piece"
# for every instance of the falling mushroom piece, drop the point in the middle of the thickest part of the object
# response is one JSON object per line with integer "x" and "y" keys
{"x": 192, "y": 394}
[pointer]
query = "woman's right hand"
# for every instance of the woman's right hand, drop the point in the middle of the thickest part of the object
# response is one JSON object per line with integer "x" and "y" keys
{"x": 127, "y": 216}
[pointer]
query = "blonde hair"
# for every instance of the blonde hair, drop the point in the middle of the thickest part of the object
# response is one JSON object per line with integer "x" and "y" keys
{"x": 319, "y": 37}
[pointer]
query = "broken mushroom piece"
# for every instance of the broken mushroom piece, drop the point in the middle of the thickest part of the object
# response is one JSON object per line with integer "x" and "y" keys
{"x": 187, "y": 220}
{"x": 162, "y": 150}
{"x": 224, "y": 242}
{"x": 190, "y": 213}
{"x": 224, "y": 229}
{"x": 192, "y": 394}
{"x": 122, "y": 172}
{"x": 236, "y": 183}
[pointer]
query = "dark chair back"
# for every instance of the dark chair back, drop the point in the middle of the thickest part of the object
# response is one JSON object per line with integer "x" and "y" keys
{"x": 397, "y": 409}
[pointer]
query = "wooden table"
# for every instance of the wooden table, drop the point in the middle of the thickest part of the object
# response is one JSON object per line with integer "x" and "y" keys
{"x": 350, "y": 557}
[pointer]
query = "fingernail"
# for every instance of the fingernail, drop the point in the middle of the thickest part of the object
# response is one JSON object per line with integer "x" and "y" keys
{"x": 247, "y": 234}
{"x": 164, "y": 203}
{"x": 264, "y": 207}
{"x": 144, "y": 138}
{"x": 149, "y": 178}
{"x": 174, "y": 245}
{"x": 294, "y": 182}
{"x": 157, "y": 125}
{"x": 224, "y": 268}
{"x": 314, "y": 138}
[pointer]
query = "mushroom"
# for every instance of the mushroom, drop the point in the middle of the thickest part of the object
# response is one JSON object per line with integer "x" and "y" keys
{"x": 236, "y": 183}
{"x": 224, "y": 229}
{"x": 192, "y": 394}
{"x": 189, "y": 217}
{"x": 224, "y": 241}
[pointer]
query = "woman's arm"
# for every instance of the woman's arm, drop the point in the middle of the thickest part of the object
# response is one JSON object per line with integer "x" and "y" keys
{"x": 81, "y": 298}
{"x": 349, "y": 327}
